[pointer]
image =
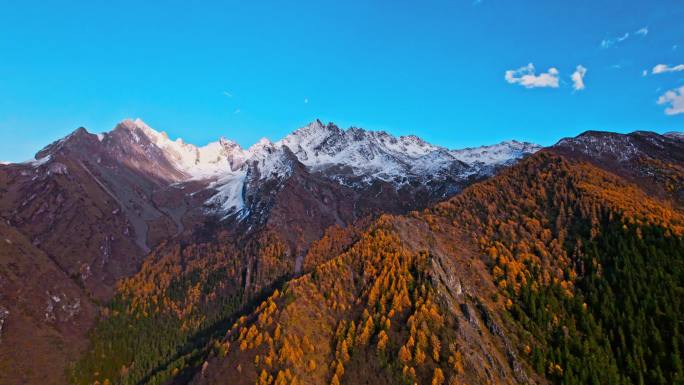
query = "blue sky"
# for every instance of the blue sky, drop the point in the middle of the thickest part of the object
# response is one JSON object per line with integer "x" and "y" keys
{"x": 246, "y": 70}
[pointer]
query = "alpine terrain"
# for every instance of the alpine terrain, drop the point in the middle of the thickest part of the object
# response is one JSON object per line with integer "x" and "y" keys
{"x": 343, "y": 256}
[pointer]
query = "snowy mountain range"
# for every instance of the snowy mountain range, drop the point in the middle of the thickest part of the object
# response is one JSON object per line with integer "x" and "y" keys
{"x": 352, "y": 157}
{"x": 355, "y": 158}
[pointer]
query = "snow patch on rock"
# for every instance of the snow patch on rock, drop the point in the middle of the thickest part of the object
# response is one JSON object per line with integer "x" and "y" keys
{"x": 38, "y": 162}
{"x": 675, "y": 135}
{"x": 229, "y": 192}
{"x": 595, "y": 145}
{"x": 496, "y": 154}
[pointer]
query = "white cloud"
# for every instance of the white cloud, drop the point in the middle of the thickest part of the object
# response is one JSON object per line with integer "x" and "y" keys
{"x": 526, "y": 77}
{"x": 306, "y": 100}
{"x": 675, "y": 98}
{"x": 610, "y": 42}
{"x": 663, "y": 68}
{"x": 607, "y": 43}
{"x": 644, "y": 73}
{"x": 237, "y": 111}
{"x": 578, "y": 78}
{"x": 228, "y": 94}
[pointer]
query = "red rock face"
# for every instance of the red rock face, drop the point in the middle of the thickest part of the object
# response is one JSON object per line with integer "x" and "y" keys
{"x": 44, "y": 313}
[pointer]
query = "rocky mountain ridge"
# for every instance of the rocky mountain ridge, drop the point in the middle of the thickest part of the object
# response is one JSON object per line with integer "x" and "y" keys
{"x": 351, "y": 157}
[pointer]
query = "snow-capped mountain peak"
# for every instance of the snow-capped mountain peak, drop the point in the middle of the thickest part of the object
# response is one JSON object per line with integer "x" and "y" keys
{"x": 195, "y": 162}
{"x": 263, "y": 145}
{"x": 384, "y": 156}
{"x": 367, "y": 152}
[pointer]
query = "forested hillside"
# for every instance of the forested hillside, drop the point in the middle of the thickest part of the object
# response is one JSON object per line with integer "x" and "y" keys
{"x": 588, "y": 264}
{"x": 161, "y": 320}
{"x": 584, "y": 275}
